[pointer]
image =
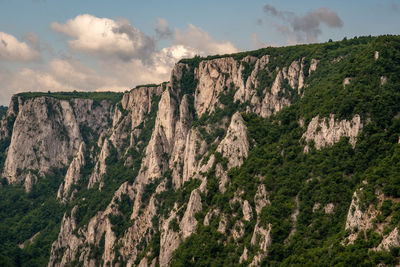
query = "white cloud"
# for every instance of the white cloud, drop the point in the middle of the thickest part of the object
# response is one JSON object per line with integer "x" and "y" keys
{"x": 201, "y": 40}
{"x": 13, "y": 50}
{"x": 72, "y": 74}
{"x": 168, "y": 56}
{"x": 125, "y": 57}
{"x": 105, "y": 37}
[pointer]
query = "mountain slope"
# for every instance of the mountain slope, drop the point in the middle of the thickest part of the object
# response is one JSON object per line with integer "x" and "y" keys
{"x": 279, "y": 156}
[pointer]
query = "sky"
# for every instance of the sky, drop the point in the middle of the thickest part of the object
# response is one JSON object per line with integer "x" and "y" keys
{"x": 97, "y": 45}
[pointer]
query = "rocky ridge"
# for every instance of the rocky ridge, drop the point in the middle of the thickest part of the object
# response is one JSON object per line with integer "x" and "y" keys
{"x": 176, "y": 149}
{"x": 174, "y": 136}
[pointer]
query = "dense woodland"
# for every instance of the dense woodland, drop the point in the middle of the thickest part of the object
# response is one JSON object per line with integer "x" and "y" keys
{"x": 276, "y": 159}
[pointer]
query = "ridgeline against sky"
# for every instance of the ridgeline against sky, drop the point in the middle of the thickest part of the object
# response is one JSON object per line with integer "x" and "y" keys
{"x": 95, "y": 45}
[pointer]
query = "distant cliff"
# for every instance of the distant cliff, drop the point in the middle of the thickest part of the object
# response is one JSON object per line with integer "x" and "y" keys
{"x": 277, "y": 156}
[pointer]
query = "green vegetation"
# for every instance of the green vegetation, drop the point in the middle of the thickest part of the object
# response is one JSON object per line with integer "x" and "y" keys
{"x": 114, "y": 97}
{"x": 289, "y": 53}
{"x": 330, "y": 175}
{"x": 3, "y": 111}
{"x": 90, "y": 201}
{"x": 167, "y": 199}
{"x": 23, "y": 215}
{"x": 295, "y": 181}
{"x": 4, "y": 143}
{"x": 147, "y": 85}
{"x": 248, "y": 68}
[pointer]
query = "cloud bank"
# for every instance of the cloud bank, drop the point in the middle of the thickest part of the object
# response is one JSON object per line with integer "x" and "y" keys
{"x": 123, "y": 56}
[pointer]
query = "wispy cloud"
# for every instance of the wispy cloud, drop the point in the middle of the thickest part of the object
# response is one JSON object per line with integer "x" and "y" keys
{"x": 305, "y": 28}
{"x": 162, "y": 29}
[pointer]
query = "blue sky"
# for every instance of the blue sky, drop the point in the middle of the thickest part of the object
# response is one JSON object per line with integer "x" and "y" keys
{"x": 115, "y": 45}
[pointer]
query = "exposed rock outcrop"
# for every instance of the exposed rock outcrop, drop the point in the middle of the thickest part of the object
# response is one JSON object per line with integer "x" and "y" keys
{"x": 235, "y": 146}
{"x": 329, "y": 208}
{"x": 292, "y": 74}
{"x": 376, "y": 55}
{"x": 261, "y": 237}
{"x": 390, "y": 241}
{"x": 293, "y": 217}
{"x": 244, "y": 255}
{"x": 383, "y": 80}
{"x": 30, "y": 180}
{"x": 73, "y": 174}
{"x": 347, "y": 81}
{"x": 313, "y": 65}
{"x": 261, "y": 198}
{"x": 358, "y": 220}
{"x": 189, "y": 222}
{"x": 67, "y": 243}
{"x": 316, "y": 207}
{"x": 46, "y": 133}
{"x": 162, "y": 140}
{"x": 214, "y": 76}
{"x": 101, "y": 167}
{"x": 183, "y": 145}
{"x": 169, "y": 242}
{"x": 73, "y": 241}
{"x": 326, "y": 131}
{"x": 247, "y": 211}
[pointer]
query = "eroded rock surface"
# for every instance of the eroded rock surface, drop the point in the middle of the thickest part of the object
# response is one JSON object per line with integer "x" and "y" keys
{"x": 73, "y": 174}
{"x": 327, "y": 131}
{"x": 46, "y": 133}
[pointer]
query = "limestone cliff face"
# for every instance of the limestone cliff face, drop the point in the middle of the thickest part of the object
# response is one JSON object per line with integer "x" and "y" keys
{"x": 360, "y": 220}
{"x": 66, "y": 239}
{"x": 73, "y": 173}
{"x": 392, "y": 240}
{"x": 214, "y": 76}
{"x": 46, "y": 133}
{"x": 162, "y": 140}
{"x": 327, "y": 131}
{"x": 6, "y": 124}
{"x": 235, "y": 146}
{"x": 156, "y": 133}
{"x": 176, "y": 145}
{"x": 100, "y": 168}
{"x": 75, "y": 243}
{"x": 128, "y": 121}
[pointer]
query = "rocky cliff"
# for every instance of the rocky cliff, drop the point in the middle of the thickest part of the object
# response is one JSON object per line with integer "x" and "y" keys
{"x": 232, "y": 147}
{"x": 46, "y": 133}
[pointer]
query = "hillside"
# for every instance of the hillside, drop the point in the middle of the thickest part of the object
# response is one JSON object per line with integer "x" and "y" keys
{"x": 279, "y": 156}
